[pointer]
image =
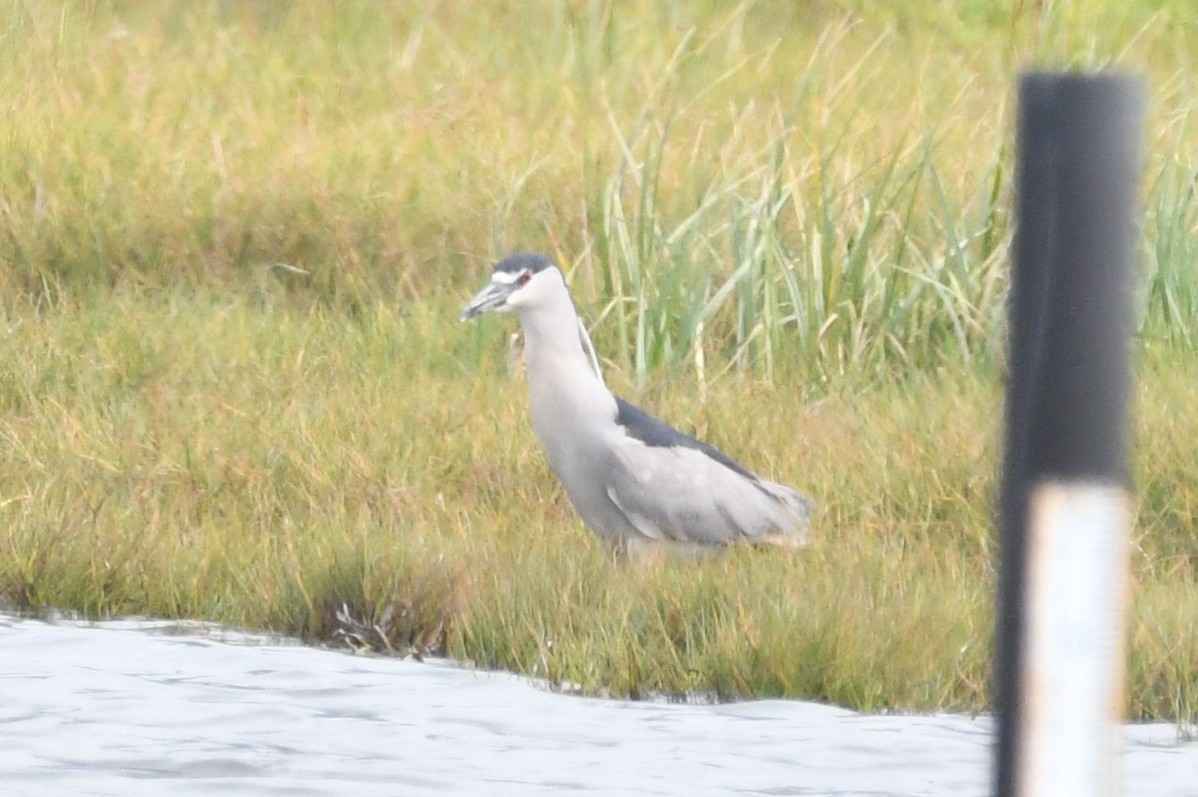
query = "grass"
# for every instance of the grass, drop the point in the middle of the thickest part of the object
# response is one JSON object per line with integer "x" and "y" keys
{"x": 768, "y": 211}
{"x": 200, "y": 456}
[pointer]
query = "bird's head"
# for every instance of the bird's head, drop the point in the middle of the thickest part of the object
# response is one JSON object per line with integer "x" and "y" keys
{"x": 519, "y": 281}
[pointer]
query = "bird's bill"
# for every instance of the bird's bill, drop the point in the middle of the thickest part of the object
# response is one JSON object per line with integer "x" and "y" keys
{"x": 492, "y": 297}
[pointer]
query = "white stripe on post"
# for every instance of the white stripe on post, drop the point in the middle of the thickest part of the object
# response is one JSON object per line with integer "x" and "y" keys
{"x": 1073, "y": 671}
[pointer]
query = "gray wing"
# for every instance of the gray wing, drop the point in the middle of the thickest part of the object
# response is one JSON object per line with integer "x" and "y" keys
{"x": 680, "y": 493}
{"x": 639, "y": 424}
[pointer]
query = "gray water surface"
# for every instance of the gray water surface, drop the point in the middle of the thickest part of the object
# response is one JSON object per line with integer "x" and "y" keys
{"x": 146, "y": 707}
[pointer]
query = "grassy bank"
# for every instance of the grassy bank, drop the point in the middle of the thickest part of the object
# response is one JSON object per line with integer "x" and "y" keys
{"x": 769, "y": 211}
{"x": 197, "y": 455}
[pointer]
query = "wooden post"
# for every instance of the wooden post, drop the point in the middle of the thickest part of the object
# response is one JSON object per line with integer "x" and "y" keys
{"x": 1064, "y": 508}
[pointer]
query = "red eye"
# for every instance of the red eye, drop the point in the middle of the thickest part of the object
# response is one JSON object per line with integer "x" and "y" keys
{"x": 525, "y": 276}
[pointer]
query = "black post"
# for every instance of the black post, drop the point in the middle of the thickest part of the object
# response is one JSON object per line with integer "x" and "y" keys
{"x": 1063, "y": 506}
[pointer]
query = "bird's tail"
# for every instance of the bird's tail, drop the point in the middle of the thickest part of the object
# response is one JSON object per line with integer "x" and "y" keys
{"x": 794, "y": 531}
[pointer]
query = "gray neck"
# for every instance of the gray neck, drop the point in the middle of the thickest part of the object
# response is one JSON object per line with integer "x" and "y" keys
{"x": 553, "y": 333}
{"x": 568, "y": 402}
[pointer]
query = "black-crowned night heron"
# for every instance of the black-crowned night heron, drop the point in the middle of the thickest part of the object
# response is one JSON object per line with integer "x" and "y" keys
{"x": 632, "y": 478}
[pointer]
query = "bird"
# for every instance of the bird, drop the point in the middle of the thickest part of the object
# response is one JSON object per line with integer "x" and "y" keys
{"x": 637, "y": 482}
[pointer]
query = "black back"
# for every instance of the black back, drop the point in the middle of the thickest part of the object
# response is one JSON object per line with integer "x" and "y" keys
{"x": 532, "y": 261}
{"x": 642, "y": 426}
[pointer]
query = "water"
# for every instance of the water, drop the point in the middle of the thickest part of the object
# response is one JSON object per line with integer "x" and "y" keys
{"x": 137, "y": 707}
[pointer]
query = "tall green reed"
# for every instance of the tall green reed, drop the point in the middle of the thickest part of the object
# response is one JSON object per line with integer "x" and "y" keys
{"x": 797, "y": 261}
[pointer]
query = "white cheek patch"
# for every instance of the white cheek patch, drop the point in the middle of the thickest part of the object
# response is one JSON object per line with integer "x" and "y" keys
{"x": 505, "y": 277}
